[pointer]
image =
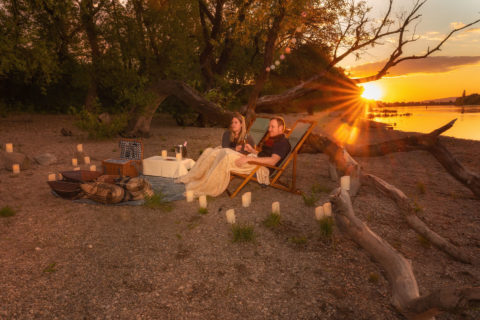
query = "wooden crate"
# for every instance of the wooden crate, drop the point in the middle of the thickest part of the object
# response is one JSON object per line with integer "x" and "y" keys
{"x": 122, "y": 167}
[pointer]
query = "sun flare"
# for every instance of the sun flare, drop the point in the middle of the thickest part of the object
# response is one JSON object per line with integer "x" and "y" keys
{"x": 372, "y": 91}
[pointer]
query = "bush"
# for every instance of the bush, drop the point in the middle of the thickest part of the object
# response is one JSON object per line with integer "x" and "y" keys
{"x": 7, "y": 212}
{"x": 88, "y": 122}
{"x": 242, "y": 233}
{"x": 157, "y": 201}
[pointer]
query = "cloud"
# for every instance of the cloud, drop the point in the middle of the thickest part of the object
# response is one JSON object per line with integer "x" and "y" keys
{"x": 427, "y": 65}
{"x": 456, "y": 25}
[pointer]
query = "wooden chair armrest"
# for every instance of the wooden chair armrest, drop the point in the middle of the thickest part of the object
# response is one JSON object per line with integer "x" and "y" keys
{"x": 264, "y": 165}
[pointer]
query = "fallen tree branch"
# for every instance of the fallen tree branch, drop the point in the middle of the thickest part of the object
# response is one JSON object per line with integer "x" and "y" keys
{"x": 427, "y": 142}
{"x": 405, "y": 293}
{"x": 398, "y": 269}
{"x": 412, "y": 219}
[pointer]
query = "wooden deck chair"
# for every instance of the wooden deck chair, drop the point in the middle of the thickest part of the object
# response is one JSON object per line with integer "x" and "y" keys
{"x": 297, "y": 136}
{"x": 259, "y": 128}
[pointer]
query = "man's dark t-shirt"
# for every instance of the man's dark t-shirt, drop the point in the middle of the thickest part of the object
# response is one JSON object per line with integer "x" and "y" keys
{"x": 278, "y": 145}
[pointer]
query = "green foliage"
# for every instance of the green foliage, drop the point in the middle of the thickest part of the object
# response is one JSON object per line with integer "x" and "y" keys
{"x": 326, "y": 226}
{"x": 7, "y": 212}
{"x": 424, "y": 242}
{"x": 318, "y": 188}
{"x": 157, "y": 201}
{"x": 202, "y": 210}
{"x": 417, "y": 207}
{"x": 420, "y": 187}
{"x": 310, "y": 199}
{"x": 273, "y": 220}
{"x": 242, "y": 233}
{"x": 50, "y": 268}
{"x": 300, "y": 240}
{"x": 97, "y": 130}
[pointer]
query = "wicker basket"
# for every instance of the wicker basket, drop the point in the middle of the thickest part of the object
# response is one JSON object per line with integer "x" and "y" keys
{"x": 65, "y": 189}
{"x": 80, "y": 175}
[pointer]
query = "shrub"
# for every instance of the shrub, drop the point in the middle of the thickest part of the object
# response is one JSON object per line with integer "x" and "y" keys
{"x": 242, "y": 233}
{"x": 273, "y": 220}
{"x": 88, "y": 122}
{"x": 326, "y": 226}
{"x": 7, "y": 212}
{"x": 157, "y": 201}
{"x": 202, "y": 210}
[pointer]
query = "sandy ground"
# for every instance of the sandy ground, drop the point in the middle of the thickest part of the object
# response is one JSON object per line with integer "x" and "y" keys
{"x": 65, "y": 260}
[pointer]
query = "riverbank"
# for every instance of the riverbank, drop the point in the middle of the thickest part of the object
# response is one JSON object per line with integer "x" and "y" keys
{"x": 62, "y": 259}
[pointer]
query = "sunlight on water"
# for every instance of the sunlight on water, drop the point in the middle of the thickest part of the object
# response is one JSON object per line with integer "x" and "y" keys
{"x": 426, "y": 119}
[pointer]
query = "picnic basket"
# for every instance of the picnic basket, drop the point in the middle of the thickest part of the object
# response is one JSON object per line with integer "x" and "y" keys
{"x": 131, "y": 156}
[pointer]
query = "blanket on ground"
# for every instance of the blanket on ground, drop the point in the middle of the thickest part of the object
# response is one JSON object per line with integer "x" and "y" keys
{"x": 211, "y": 173}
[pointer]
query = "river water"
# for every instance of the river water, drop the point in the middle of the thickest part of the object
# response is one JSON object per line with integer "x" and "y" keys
{"x": 428, "y": 118}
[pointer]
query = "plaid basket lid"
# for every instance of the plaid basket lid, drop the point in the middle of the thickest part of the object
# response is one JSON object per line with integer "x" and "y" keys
{"x": 131, "y": 149}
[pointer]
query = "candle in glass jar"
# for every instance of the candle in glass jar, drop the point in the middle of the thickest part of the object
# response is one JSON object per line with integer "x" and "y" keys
{"x": 276, "y": 207}
{"x": 178, "y": 156}
{"x": 86, "y": 159}
{"x": 164, "y": 154}
{"x": 52, "y": 177}
{"x": 93, "y": 167}
{"x": 345, "y": 183}
{"x": 80, "y": 147}
{"x": 16, "y": 168}
{"x": 202, "y": 201}
{"x": 9, "y": 147}
{"x": 327, "y": 209}
{"x": 189, "y": 196}
{"x": 74, "y": 161}
{"x": 230, "y": 216}
{"x": 319, "y": 214}
{"x": 246, "y": 199}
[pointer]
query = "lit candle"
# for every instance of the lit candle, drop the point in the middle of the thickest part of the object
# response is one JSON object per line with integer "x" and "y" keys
{"x": 164, "y": 154}
{"x": 9, "y": 147}
{"x": 230, "y": 216}
{"x": 74, "y": 162}
{"x": 276, "y": 207}
{"x": 52, "y": 177}
{"x": 76, "y": 169}
{"x": 327, "y": 209}
{"x": 80, "y": 147}
{"x": 319, "y": 213}
{"x": 16, "y": 168}
{"x": 345, "y": 183}
{"x": 178, "y": 156}
{"x": 246, "y": 199}
{"x": 86, "y": 159}
{"x": 189, "y": 196}
{"x": 203, "y": 201}
{"x": 93, "y": 167}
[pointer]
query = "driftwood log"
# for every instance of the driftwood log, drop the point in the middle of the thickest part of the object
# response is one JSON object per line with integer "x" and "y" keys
{"x": 412, "y": 219}
{"x": 405, "y": 293}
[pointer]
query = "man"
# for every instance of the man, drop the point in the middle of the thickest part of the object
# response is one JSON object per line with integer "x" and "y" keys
{"x": 211, "y": 173}
{"x": 275, "y": 148}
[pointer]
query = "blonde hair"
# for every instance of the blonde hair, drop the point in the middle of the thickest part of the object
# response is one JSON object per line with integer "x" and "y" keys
{"x": 243, "y": 128}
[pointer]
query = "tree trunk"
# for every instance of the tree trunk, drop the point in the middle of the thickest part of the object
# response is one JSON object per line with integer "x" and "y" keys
{"x": 267, "y": 61}
{"x": 139, "y": 126}
{"x": 87, "y": 13}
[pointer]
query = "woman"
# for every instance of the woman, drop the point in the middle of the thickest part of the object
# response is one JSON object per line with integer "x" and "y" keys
{"x": 211, "y": 173}
{"x": 236, "y": 136}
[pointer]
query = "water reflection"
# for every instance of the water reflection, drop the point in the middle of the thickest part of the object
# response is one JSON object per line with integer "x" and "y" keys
{"x": 428, "y": 118}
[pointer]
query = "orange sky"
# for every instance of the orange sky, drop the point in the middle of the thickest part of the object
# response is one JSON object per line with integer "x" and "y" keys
{"x": 446, "y": 73}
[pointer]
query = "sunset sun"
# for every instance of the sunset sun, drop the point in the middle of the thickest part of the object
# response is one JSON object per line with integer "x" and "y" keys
{"x": 372, "y": 91}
